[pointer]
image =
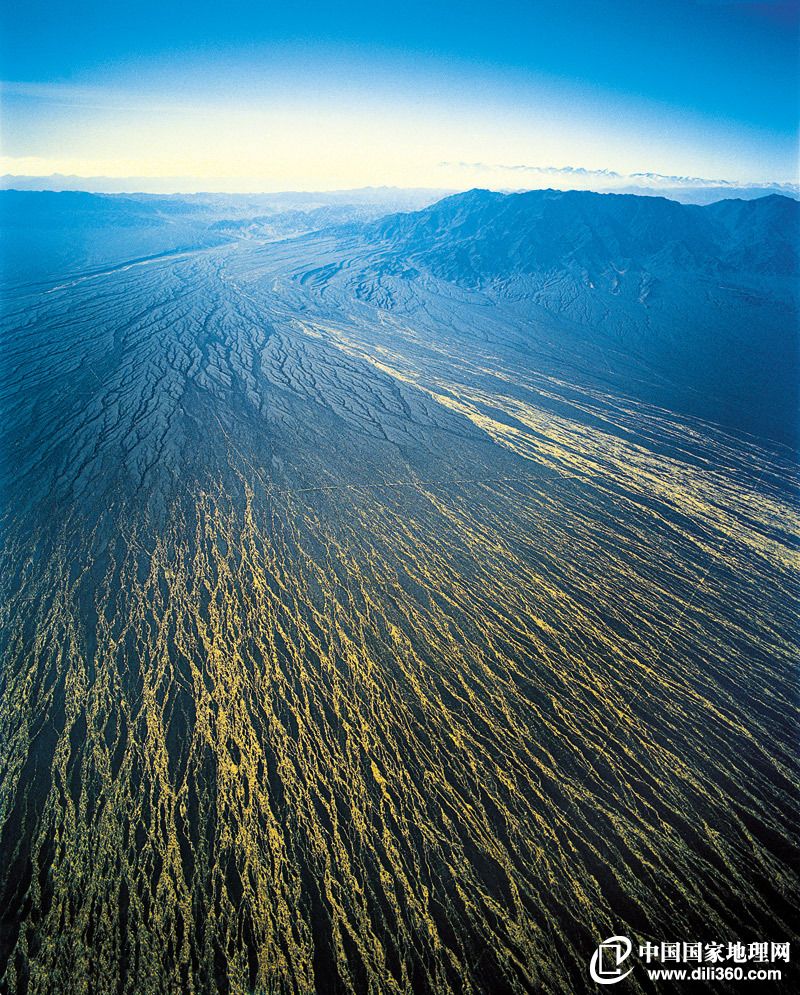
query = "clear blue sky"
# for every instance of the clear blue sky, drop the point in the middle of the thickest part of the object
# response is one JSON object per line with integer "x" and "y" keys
{"x": 375, "y": 92}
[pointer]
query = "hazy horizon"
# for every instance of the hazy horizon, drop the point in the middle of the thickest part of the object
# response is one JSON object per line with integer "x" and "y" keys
{"x": 685, "y": 189}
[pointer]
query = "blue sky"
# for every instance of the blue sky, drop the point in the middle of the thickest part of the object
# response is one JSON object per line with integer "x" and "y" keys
{"x": 312, "y": 94}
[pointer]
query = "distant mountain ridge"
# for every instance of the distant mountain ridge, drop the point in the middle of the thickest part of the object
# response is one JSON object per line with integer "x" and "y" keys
{"x": 45, "y": 233}
{"x": 509, "y": 179}
{"x": 704, "y": 299}
{"x": 482, "y": 235}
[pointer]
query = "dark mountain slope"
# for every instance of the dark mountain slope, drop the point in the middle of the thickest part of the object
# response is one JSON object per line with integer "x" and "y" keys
{"x": 482, "y": 235}
{"x": 703, "y": 297}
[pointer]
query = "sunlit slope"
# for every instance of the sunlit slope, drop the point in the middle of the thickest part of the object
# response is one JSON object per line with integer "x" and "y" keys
{"x": 339, "y": 656}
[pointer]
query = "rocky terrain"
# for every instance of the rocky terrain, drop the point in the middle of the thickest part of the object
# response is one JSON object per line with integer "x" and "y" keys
{"x": 393, "y": 608}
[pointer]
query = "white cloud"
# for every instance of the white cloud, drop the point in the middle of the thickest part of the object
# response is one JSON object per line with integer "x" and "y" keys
{"x": 578, "y": 177}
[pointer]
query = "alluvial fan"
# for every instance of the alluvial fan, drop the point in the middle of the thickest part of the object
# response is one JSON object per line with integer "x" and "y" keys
{"x": 343, "y": 655}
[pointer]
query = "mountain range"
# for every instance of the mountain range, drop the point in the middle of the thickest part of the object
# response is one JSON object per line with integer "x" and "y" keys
{"x": 481, "y": 234}
{"x": 698, "y": 304}
{"x": 704, "y": 299}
